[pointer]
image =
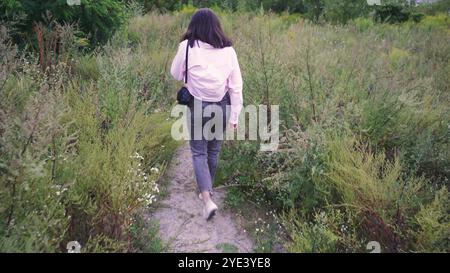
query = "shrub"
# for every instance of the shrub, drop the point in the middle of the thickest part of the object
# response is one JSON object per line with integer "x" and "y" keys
{"x": 7, "y": 56}
{"x": 442, "y": 6}
{"x": 314, "y": 9}
{"x": 162, "y": 5}
{"x": 417, "y": 17}
{"x": 310, "y": 237}
{"x": 345, "y": 10}
{"x": 387, "y": 101}
{"x": 391, "y": 13}
{"x": 435, "y": 22}
{"x": 72, "y": 167}
{"x": 434, "y": 225}
{"x": 99, "y": 19}
{"x": 385, "y": 200}
{"x": 34, "y": 141}
{"x": 363, "y": 24}
{"x": 87, "y": 68}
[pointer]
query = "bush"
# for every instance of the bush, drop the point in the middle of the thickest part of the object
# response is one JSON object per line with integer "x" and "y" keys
{"x": 391, "y": 13}
{"x": 384, "y": 200}
{"x": 434, "y": 224}
{"x": 417, "y": 17}
{"x": 345, "y": 10}
{"x": 87, "y": 68}
{"x": 73, "y": 165}
{"x": 367, "y": 199}
{"x": 437, "y": 7}
{"x": 363, "y": 24}
{"x": 331, "y": 229}
{"x": 98, "y": 19}
{"x": 33, "y": 143}
{"x": 314, "y": 9}
{"x": 161, "y": 5}
{"x": 385, "y": 110}
{"x": 436, "y": 22}
{"x": 310, "y": 237}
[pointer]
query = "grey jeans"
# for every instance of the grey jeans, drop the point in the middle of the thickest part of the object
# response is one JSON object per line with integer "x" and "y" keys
{"x": 205, "y": 150}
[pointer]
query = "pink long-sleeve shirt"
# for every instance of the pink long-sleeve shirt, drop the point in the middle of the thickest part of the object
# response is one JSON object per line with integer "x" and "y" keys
{"x": 211, "y": 73}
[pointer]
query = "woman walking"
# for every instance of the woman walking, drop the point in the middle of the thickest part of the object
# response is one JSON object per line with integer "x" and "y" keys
{"x": 213, "y": 78}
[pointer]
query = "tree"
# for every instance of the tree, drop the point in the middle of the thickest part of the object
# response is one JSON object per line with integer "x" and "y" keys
{"x": 314, "y": 9}
{"x": 98, "y": 18}
{"x": 162, "y": 5}
{"x": 344, "y": 10}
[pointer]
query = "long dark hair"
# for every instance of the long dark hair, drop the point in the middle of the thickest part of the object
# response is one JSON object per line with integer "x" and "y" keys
{"x": 205, "y": 26}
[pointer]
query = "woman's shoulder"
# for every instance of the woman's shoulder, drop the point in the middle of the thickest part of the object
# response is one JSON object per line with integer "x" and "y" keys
{"x": 183, "y": 43}
{"x": 232, "y": 51}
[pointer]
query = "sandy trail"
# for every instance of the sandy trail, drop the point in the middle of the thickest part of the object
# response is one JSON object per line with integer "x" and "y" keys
{"x": 182, "y": 227}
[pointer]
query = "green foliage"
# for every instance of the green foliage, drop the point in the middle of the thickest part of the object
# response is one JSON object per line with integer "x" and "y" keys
{"x": 363, "y": 155}
{"x": 376, "y": 203}
{"x": 442, "y": 6}
{"x": 98, "y": 19}
{"x": 162, "y": 5}
{"x": 145, "y": 236}
{"x": 409, "y": 123}
{"x": 344, "y": 10}
{"x": 283, "y": 5}
{"x": 417, "y": 17}
{"x": 391, "y": 13}
{"x": 435, "y": 22}
{"x": 312, "y": 237}
{"x": 314, "y": 9}
{"x": 364, "y": 132}
{"x": 227, "y": 248}
{"x": 363, "y": 24}
{"x": 74, "y": 163}
{"x": 87, "y": 68}
{"x": 433, "y": 234}
{"x": 33, "y": 141}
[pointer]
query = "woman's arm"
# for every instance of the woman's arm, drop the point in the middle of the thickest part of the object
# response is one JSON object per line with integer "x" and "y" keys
{"x": 178, "y": 64}
{"x": 235, "y": 89}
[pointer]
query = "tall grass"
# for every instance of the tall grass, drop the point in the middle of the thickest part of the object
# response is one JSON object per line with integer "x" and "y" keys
{"x": 385, "y": 86}
{"x": 84, "y": 143}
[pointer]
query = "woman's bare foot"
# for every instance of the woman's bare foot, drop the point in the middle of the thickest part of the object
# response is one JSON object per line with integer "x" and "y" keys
{"x": 209, "y": 208}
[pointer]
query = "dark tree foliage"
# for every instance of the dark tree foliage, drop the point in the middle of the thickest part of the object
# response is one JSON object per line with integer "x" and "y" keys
{"x": 98, "y": 18}
{"x": 161, "y": 5}
{"x": 340, "y": 12}
{"x": 391, "y": 13}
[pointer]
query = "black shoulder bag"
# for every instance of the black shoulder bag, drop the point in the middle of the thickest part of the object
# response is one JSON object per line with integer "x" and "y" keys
{"x": 184, "y": 96}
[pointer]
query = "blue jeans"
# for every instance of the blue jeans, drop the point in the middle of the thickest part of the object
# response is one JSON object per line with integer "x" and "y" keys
{"x": 205, "y": 150}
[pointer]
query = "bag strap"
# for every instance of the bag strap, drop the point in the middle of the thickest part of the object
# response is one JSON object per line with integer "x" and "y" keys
{"x": 186, "y": 67}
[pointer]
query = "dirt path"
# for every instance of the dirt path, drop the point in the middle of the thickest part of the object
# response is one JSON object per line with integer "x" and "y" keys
{"x": 182, "y": 227}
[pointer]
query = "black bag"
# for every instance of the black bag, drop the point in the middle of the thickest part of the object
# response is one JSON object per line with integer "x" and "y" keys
{"x": 184, "y": 96}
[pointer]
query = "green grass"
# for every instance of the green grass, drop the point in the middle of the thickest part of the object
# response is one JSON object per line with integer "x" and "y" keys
{"x": 227, "y": 248}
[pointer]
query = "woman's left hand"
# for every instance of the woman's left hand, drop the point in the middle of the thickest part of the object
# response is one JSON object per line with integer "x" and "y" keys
{"x": 233, "y": 126}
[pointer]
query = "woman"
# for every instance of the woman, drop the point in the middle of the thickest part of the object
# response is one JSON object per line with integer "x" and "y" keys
{"x": 214, "y": 79}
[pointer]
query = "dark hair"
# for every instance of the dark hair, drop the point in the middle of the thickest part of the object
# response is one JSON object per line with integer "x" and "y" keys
{"x": 205, "y": 26}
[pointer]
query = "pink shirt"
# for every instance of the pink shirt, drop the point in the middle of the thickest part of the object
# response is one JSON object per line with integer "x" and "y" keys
{"x": 211, "y": 73}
